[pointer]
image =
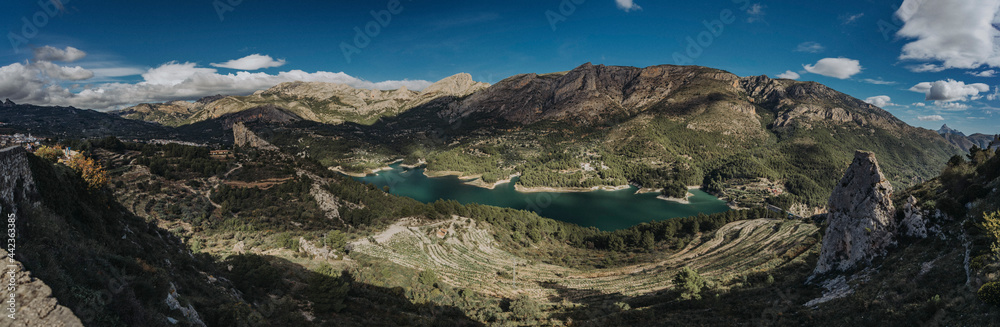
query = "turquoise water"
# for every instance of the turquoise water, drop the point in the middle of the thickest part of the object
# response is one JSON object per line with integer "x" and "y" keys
{"x": 606, "y": 210}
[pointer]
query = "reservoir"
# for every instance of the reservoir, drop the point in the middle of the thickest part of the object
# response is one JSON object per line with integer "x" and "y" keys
{"x": 606, "y": 210}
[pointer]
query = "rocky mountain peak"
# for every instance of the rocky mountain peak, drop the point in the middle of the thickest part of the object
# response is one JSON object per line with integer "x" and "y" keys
{"x": 945, "y": 130}
{"x": 861, "y": 217}
{"x": 459, "y": 85}
{"x": 8, "y": 104}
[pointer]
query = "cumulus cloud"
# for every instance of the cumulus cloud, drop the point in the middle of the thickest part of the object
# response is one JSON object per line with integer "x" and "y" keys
{"x": 789, "y": 75}
{"x": 930, "y": 118}
{"x": 627, "y": 5}
{"x": 33, "y": 80}
{"x": 841, "y": 68}
{"x": 919, "y": 104}
{"x": 880, "y": 101}
{"x": 40, "y": 84}
{"x": 950, "y": 33}
{"x": 61, "y": 72}
{"x": 252, "y": 62}
{"x": 950, "y": 90}
{"x": 810, "y": 47}
{"x": 995, "y": 95}
{"x": 49, "y": 53}
{"x": 985, "y": 73}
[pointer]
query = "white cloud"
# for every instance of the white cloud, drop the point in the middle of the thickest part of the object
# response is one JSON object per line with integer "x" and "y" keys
{"x": 985, "y": 73}
{"x": 173, "y": 73}
{"x": 49, "y": 53}
{"x": 252, "y": 62}
{"x": 944, "y": 105}
{"x": 995, "y": 95}
{"x": 811, "y": 47}
{"x": 930, "y": 118}
{"x": 627, "y": 5}
{"x": 919, "y": 104}
{"x": 950, "y": 90}
{"x": 756, "y": 13}
{"x": 880, "y": 101}
{"x": 61, "y": 72}
{"x": 848, "y": 18}
{"x": 841, "y": 68}
{"x": 923, "y": 68}
{"x": 951, "y": 33}
{"x": 877, "y": 81}
{"x": 40, "y": 85}
{"x": 789, "y": 75}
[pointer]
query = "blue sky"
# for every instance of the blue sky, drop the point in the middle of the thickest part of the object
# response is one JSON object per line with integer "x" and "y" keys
{"x": 917, "y": 62}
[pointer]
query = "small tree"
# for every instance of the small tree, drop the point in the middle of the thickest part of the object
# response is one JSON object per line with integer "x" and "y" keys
{"x": 525, "y": 308}
{"x": 327, "y": 293}
{"x": 990, "y": 293}
{"x": 49, "y": 153}
{"x": 991, "y": 224}
{"x": 93, "y": 173}
{"x": 690, "y": 283}
{"x": 648, "y": 240}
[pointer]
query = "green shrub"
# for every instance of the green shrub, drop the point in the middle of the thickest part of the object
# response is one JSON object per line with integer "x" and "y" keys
{"x": 327, "y": 293}
{"x": 690, "y": 283}
{"x": 525, "y": 308}
{"x": 990, "y": 293}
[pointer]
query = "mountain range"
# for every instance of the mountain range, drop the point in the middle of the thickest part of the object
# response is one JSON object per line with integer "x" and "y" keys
{"x": 959, "y": 139}
{"x": 316, "y": 101}
{"x": 657, "y": 127}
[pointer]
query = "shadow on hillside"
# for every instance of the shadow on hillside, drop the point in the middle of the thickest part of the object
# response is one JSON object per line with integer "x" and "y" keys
{"x": 337, "y": 301}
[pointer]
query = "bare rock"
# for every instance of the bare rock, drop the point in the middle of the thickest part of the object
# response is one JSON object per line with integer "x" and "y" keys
{"x": 325, "y": 252}
{"x": 239, "y": 248}
{"x": 35, "y": 305}
{"x": 913, "y": 224}
{"x": 861, "y": 217}
{"x": 243, "y": 136}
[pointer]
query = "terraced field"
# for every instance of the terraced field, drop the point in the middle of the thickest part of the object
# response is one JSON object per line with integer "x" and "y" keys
{"x": 464, "y": 254}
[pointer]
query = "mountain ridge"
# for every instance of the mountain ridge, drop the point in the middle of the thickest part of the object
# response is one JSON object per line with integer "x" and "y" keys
{"x": 332, "y": 103}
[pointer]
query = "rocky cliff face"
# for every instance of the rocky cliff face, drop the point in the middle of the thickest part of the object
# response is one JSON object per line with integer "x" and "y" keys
{"x": 243, "y": 136}
{"x": 35, "y": 303}
{"x": 266, "y": 113}
{"x": 861, "y": 217}
{"x": 16, "y": 183}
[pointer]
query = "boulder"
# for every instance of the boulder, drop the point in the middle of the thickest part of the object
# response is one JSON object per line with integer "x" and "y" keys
{"x": 914, "y": 224}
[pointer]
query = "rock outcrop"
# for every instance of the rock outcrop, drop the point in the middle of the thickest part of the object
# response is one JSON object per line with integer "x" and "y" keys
{"x": 7, "y": 104}
{"x": 325, "y": 252}
{"x": 266, "y": 113}
{"x": 861, "y": 217}
{"x": 189, "y": 313}
{"x": 243, "y": 136}
{"x": 34, "y": 301}
{"x": 913, "y": 224}
{"x": 16, "y": 182}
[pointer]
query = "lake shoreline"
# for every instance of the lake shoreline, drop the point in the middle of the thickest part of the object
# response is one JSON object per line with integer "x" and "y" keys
{"x": 620, "y": 207}
{"x": 477, "y": 181}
